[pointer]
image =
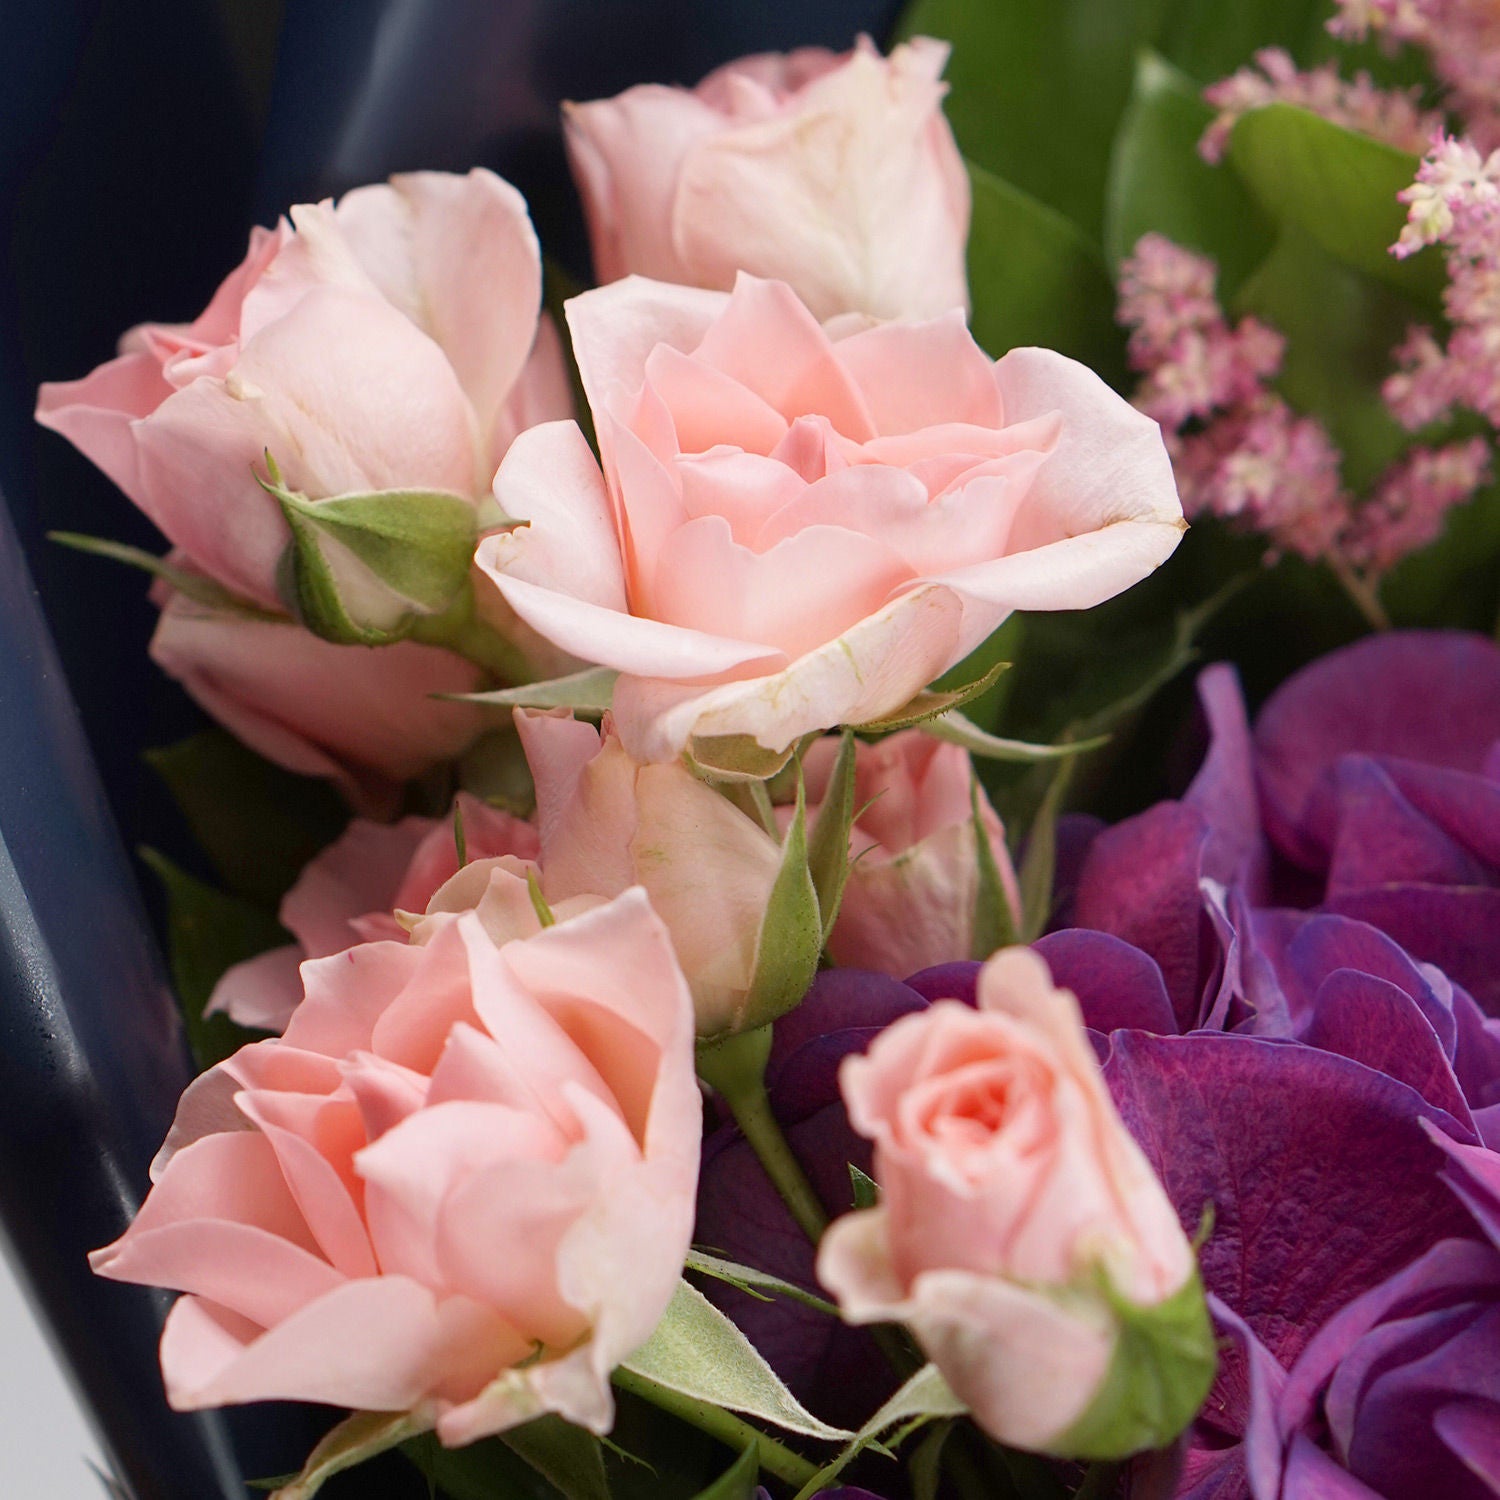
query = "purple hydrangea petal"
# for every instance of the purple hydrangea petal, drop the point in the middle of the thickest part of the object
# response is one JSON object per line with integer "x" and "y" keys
{"x": 1224, "y": 789}
{"x": 1429, "y": 696}
{"x": 1312, "y": 1475}
{"x": 1117, "y": 985}
{"x": 1471, "y": 1430}
{"x": 954, "y": 981}
{"x": 1473, "y": 1173}
{"x": 1476, "y": 1052}
{"x": 1376, "y": 835}
{"x": 1076, "y": 833}
{"x": 840, "y": 1000}
{"x": 1141, "y": 884}
{"x": 1455, "y": 927}
{"x": 1321, "y": 1180}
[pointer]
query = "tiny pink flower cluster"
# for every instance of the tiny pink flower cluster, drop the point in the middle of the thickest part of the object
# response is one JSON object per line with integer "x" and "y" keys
{"x": 1247, "y": 457}
{"x": 1455, "y": 203}
{"x": 1394, "y": 116}
{"x": 1243, "y": 454}
{"x": 1462, "y": 37}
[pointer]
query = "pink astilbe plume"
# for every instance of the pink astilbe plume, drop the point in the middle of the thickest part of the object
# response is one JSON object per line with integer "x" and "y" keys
{"x": 1462, "y": 38}
{"x": 1455, "y": 203}
{"x": 1394, "y": 116}
{"x": 1242, "y": 454}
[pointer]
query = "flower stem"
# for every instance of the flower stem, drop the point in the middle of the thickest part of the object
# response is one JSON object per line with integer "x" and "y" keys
{"x": 1364, "y": 595}
{"x": 736, "y": 1069}
{"x": 775, "y": 1458}
{"x": 459, "y": 629}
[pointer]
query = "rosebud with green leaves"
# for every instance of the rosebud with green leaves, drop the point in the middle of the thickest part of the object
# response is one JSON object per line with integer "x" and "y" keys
{"x": 1021, "y": 1233}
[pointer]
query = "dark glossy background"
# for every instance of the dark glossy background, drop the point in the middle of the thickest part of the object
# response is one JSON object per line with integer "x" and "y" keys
{"x": 138, "y": 140}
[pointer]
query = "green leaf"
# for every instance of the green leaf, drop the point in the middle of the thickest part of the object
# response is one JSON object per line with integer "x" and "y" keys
{"x": 791, "y": 932}
{"x": 482, "y": 1471}
{"x": 739, "y": 1481}
{"x": 190, "y": 585}
{"x": 355, "y": 1439}
{"x": 755, "y": 1283}
{"x": 207, "y": 933}
{"x": 1034, "y": 279}
{"x": 1037, "y": 87}
{"x": 933, "y": 702}
{"x": 588, "y": 691}
{"x": 828, "y": 849}
{"x": 734, "y": 757}
{"x": 361, "y": 568}
{"x": 866, "y": 1189}
{"x": 1210, "y": 39}
{"x": 995, "y": 924}
{"x": 258, "y": 824}
{"x": 926, "y": 1463}
{"x": 697, "y": 1352}
{"x": 571, "y": 1459}
{"x": 1338, "y": 187}
{"x": 1159, "y": 184}
{"x": 1158, "y": 1377}
{"x": 1456, "y": 581}
{"x": 1039, "y": 864}
{"x": 922, "y": 1398}
{"x": 1340, "y": 327}
{"x": 957, "y": 730}
{"x": 1002, "y": 646}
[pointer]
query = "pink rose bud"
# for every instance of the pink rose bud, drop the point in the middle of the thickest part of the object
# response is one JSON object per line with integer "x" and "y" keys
{"x": 913, "y": 891}
{"x": 606, "y": 823}
{"x": 836, "y": 174}
{"x": 350, "y": 893}
{"x": 460, "y": 1186}
{"x": 799, "y": 527}
{"x": 1021, "y": 1233}
{"x": 387, "y": 344}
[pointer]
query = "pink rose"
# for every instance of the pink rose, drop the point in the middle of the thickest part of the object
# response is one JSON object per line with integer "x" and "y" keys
{"x": 606, "y": 823}
{"x": 1018, "y": 1219}
{"x": 836, "y": 174}
{"x": 461, "y": 1184}
{"x": 349, "y": 894}
{"x": 913, "y": 886}
{"x": 389, "y": 342}
{"x": 797, "y": 527}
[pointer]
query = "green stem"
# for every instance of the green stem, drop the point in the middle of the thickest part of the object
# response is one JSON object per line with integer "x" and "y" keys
{"x": 1363, "y": 593}
{"x": 775, "y": 1458}
{"x": 736, "y": 1069}
{"x": 458, "y": 629}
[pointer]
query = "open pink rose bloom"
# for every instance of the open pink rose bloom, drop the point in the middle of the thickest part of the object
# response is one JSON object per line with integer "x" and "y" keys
{"x": 797, "y": 526}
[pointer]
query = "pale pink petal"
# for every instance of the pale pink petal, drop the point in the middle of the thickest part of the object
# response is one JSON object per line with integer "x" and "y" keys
{"x": 346, "y": 996}
{"x": 873, "y": 669}
{"x": 921, "y": 375}
{"x": 648, "y": 502}
{"x": 262, "y": 992}
{"x": 744, "y": 488}
{"x": 360, "y": 872}
{"x": 709, "y": 408}
{"x": 365, "y": 718}
{"x": 97, "y": 414}
{"x": 551, "y": 480}
{"x": 543, "y": 393}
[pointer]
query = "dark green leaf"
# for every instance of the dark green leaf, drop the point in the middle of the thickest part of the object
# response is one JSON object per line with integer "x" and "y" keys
{"x": 866, "y": 1190}
{"x": 739, "y": 1481}
{"x": 1210, "y": 39}
{"x": 828, "y": 848}
{"x": 568, "y": 1457}
{"x": 1034, "y": 279}
{"x": 1039, "y": 862}
{"x": 482, "y": 1471}
{"x": 1339, "y": 188}
{"x": 995, "y": 924}
{"x": 926, "y": 1463}
{"x": 207, "y": 932}
{"x": 358, "y": 1437}
{"x": 258, "y": 824}
{"x": 1159, "y": 184}
{"x": 1456, "y": 581}
{"x": 1003, "y": 646}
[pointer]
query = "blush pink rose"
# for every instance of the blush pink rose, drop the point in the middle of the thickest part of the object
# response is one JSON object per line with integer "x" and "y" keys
{"x": 461, "y": 1185}
{"x": 350, "y": 894}
{"x": 390, "y": 341}
{"x": 606, "y": 822}
{"x": 837, "y": 174}
{"x": 913, "y": 886}
{"x": 1008, "y": 1184}
{"x": 799, "y": 527}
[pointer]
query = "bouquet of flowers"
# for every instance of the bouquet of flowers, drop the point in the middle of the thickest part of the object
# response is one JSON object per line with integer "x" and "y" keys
{"x": 741, "y": 960}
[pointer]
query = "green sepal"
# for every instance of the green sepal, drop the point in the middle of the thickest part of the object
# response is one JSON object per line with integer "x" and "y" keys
{"x": 734, "y": 757}
{"x": 928, "y": 705}
{"x": 568, "y": 1457}
{"x": 995, "y": 924}
{"x": 361, "y": 569}
{"x": 791, "y": 932}
{"x": 195, "y": 586}
{"x": 828, "y": 848}
{"x": 1159, "y": 1375}
{"x": 356, "y": 1438}
{"x": 585, "y": 692}
{"x": 864, "y": 1187}
{"x": 955, "y": 729}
